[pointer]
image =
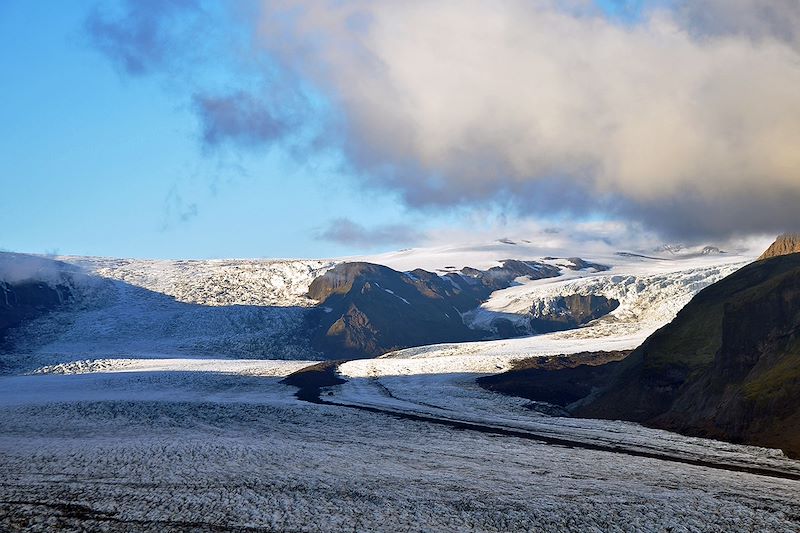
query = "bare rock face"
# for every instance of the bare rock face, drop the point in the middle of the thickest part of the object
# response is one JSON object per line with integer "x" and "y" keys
{"x": 569, "y": 312}
{"x": 788, "y": 243}
{"x": 368, "y": 310}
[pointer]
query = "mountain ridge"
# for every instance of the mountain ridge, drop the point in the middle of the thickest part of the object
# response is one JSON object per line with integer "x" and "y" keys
{"x": 787, "y": 243}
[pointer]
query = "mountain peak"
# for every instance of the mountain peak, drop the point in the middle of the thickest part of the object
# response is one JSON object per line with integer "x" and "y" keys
{"x": 788, "y": 243}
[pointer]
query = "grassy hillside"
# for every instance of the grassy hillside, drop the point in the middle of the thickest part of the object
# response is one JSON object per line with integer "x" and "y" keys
{"x": 728, "y": 365}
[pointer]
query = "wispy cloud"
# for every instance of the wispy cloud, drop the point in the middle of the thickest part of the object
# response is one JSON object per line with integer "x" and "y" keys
{"x": 177, "y": 210}
{"x": 141, "y": 36}
{"x": 345, "y": 231}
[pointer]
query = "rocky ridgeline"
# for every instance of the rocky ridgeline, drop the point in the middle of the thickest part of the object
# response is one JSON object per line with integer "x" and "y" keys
{"x": 788, "y": 243}
{"x": 368, "y": 309}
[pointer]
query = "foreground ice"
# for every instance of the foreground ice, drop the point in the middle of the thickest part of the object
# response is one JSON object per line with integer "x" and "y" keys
{"x": 160, "y": 451}
{"x": 121, "y": 427}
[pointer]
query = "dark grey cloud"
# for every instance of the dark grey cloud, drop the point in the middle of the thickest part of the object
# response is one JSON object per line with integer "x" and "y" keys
{"x": 239, "y": 118}
{"x": 345, "y": 231}
{"x": 143, "y": 34}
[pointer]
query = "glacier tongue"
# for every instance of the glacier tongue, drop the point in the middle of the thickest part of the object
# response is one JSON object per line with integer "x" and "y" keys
{"x": 259, "y": 309}
{"x": 218, "y": 282}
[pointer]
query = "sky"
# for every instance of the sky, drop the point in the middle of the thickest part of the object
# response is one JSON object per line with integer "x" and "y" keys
{"x": 292, "y": 128}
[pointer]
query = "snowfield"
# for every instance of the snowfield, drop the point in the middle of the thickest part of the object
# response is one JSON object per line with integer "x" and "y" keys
{"x": 153, "y": 309}
{"x": 178, "y": 451}
{"x": 156, "y": 405}
{"x": 216, "y": 282}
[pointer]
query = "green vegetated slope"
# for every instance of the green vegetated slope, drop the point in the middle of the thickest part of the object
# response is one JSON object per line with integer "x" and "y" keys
{"x": 727, "y": 367}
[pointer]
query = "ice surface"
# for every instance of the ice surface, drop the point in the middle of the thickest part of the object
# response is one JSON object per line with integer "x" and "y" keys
{"x": 244, "y": 309}
{"x": 647, "y": 302}
{"x": 219, "y": 282}
{"x": 162, "y": 451}
{"x": 157, "y": 406}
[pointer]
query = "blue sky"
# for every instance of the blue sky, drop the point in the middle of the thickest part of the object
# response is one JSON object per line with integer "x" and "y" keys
{"x": 94, "y": 162}
{"x": 199, "y": 129}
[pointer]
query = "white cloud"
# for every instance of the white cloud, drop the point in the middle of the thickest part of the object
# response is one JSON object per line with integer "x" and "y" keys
{"x": 688, "y": 125}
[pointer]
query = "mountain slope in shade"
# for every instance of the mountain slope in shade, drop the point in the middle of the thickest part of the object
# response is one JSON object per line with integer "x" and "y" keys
{"x": 788, "y": 243}
{"x": 32, "y": 286}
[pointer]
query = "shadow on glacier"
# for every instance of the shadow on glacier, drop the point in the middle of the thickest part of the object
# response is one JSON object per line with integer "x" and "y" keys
{"x": 115, "y": 319}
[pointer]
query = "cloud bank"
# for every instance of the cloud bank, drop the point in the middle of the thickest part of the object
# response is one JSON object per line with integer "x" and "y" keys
{"x": 686, "y": 120}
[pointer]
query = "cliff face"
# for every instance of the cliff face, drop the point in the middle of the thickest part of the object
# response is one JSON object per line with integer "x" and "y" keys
{"x": 751, "y": 392}
{"x": 31, "y": 286}
{"x": 788, "y": 243}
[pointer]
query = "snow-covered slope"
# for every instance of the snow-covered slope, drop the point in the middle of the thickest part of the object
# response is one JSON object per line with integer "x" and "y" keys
{"x": 140, "y": 308}
{"x": 258, "y": 309}
{"x": 651, "y": 289}
{"x": 221, "y": 282}
{"x": 483, "y": 255}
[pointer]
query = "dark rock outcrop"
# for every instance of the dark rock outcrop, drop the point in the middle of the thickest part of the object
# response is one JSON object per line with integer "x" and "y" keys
{"x": 569, "y": 312}
{"x": 368, "y": 309}
{"x": 560, "y": 380}
{"x": 582, "y": 264}
{"x": 31, "y": 286}
{"x": 27, "y": 300}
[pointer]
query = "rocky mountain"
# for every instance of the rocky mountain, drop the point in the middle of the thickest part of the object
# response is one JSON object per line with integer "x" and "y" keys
{"x": 368, "y": 309}
{"x": 569, "y": 312}
{"x": 727, "y": 367}
{"x": 788, "y": 243}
